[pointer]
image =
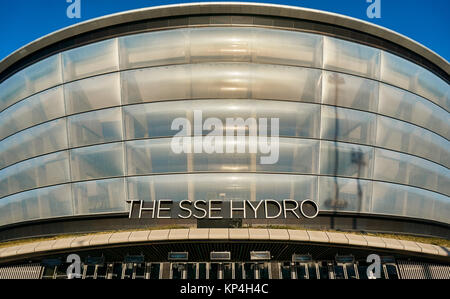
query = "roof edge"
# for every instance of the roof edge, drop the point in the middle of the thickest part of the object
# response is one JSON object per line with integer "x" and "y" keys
{"x": 231, "y": 8}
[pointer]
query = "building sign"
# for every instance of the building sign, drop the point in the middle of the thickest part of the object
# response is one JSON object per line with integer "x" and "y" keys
{"x": 220, "y": 209}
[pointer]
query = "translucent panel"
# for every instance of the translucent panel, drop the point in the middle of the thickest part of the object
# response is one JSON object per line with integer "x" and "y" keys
{"x": 36, "y": 204}
{"x": 286, "y": 83}
{"x": 348, "y": 125}
{"x": 154, "y": 156}
{"x": 37, "y": 77}
{"x": 46, "y": 138}
{"x": 346, "y": 160}
{"x": 93, "y": 93}
{"x": 43, "y": 171}
{"x": 221, "y": 44}
{"x": 341, "y": 55}
{"x": 34, "y": 110}
{"x": 350, "y": 91}
{"x": 441, "y": 208}
{"x": 229, "y": 186}
{"x": 155, "y": 84}
{"x": 409, "y": 170}
{"x": 153, "y": 49}
{"x": 403, "y": 73}
{"x": 344, "y": 195}
{"x": 96, "y": 197}
{"x": 222, "y": 81}
{"x": 155, "y": 119}
{"x": 299, "y": 156}
{"x": 95, "y": 127}
{"x": 287, "y": 47}
{"x": 404, "y": 137}
{"x": 93, "y": 59}
{"x": 389, "y": 199}
{"x": 99, "y": 161}
{"x": 406, "y": 106}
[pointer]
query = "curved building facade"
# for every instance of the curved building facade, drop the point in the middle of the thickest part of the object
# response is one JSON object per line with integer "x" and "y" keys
{"x": 87, "y": 121}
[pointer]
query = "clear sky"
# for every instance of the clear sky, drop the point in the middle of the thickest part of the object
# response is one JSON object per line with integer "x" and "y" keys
{"x": 426, "y": 21}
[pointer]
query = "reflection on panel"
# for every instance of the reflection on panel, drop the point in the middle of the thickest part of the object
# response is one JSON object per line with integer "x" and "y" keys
{"x": 36, "y": 204}
{"x": 42, "y": 171}
{"x": 405, "y": 74}
{"x": 92, "y": 93}
{"x": 107, "y": 196}
{"x": 222, "y": 81}
{"x": 346, "y": 160}
{"x": 154, "y": 156}
{"x": 153, "y": 49}
{"x": 157, "y": 156}
{"x": 93, "y": 59}
{"x": 37, "y": 77}
{"x": 155, "y": 119}
{"x": 348, "y": 125}
{"x": 341, "y": 55}
{"x": 403, "y": 137}
{"x": 95, "y": 127}
{"x": 222, "y": 187}
{"x": 221, "y": 44}
{"x": 287, "y": 47}
{"x": 344, "y": 195}
{"x": 100, "y": 161}
{"x": 46, "y": 138}
{"x": 406, "y": 106}
{"x": 350, "y": 91}
{"x": 34, "y": 110}
{"x": 390, "y": 199}
{"x": 409, "y": 170}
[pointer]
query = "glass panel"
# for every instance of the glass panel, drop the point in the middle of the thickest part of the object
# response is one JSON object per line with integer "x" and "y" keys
{"x": 287, "y": 47}
{"x": 98, "y": 58}
{"x": 405, "y": 74}
{"x": 95, "y": 127}
{"x": 390, "y": 199}
{"x": 36, "y": 109}
{"x": 350, "y": 91}
{"x": 37, "y": 77}
{"x": 98, "y": 161}
{"x": 156, "y": 84}
{"x": 36, "y": 204}
{"x": 221, "y": 44}
{"x": 222, "y": 187}
{"x": 93, "y": 93}
{"x": 154, "y": 156}
{"x": 405, "y": 169}
{"x": 43, "y": 171}
{"x": 155, "y": 119}
{"x": 46, "y": 138}
{"x": 341, "y": 55}
{"x": 409, "y": 107}
{"x": 401, "y": 136}
{"x": 153, "y": 49}
{"x": 348, "y": 125}
{"x": 346, "y": 160}
{"x": 349, "y": 195}
{"x": 95, "y": 197}
{"x": 286, "y": 83}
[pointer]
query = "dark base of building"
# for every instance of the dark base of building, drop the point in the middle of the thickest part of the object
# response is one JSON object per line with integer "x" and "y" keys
{"x": 287, "y": 260}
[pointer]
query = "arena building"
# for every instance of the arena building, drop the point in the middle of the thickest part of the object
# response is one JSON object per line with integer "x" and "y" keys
{"x": 89, "y": 115}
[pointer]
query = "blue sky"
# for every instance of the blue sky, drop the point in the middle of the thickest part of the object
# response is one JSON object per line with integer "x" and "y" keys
{"x": 426, "y": 21}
